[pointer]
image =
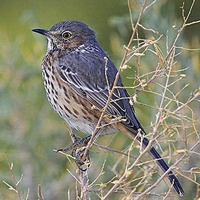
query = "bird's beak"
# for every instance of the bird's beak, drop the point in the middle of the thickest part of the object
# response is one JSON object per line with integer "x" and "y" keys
{"x": 41, "y": 31}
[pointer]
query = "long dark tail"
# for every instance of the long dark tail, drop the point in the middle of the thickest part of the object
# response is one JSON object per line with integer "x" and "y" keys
{"x": 163, "y": 165}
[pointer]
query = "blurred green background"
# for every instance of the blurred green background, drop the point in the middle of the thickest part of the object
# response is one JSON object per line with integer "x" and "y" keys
{"x": 30, "y": 129}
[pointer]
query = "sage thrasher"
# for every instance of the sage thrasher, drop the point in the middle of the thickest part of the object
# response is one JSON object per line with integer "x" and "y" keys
{"x": 78, "y": 77}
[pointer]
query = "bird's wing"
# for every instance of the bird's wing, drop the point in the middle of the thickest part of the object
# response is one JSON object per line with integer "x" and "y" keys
{"x": 97, "y": 95}
{"x": 96, "y": 90}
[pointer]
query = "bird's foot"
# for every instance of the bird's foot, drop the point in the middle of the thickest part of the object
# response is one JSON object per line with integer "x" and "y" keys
{"x": 78, "y": 151}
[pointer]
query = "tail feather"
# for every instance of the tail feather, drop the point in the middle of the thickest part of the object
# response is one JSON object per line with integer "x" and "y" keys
{"x": 163, "y": 165}
{"x": 132, "y": 131}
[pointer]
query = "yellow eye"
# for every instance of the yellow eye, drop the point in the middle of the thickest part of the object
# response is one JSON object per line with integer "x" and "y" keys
{"x": 66, "y": 35}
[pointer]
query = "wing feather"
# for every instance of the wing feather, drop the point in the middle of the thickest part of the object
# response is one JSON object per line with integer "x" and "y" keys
{"x": 98, "y": 96}
{"x": 89, "y": 81}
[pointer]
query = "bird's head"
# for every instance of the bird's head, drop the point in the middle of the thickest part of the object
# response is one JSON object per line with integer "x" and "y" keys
{"x": 67, "y": 35}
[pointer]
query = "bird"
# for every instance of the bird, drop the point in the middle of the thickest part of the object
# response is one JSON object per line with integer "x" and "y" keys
{"x": 78, "y": 76}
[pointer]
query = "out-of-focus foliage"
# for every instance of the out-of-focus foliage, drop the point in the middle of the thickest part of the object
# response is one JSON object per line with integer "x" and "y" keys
{"x": 30, "y": 129}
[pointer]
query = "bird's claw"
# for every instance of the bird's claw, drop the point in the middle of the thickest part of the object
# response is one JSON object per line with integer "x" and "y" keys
{"x": 78, "y": 151}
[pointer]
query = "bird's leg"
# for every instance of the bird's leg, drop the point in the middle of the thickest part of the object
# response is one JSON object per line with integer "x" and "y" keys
{"x": 82, "y": 160}
{"x": 78, "y": 150}
{"x": 74, "y": 138}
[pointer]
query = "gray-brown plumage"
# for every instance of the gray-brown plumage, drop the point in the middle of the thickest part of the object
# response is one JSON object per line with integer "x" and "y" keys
{"x": 77, "y": 86}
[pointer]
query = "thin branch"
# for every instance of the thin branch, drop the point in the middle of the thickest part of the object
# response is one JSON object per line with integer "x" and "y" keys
{"x": 165, "y": 174}
{"x": 16, "y": 189}
{"x": 40, "y": 195}
{"x": 83, "y": 177}
{"x": 96, "y": 131}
